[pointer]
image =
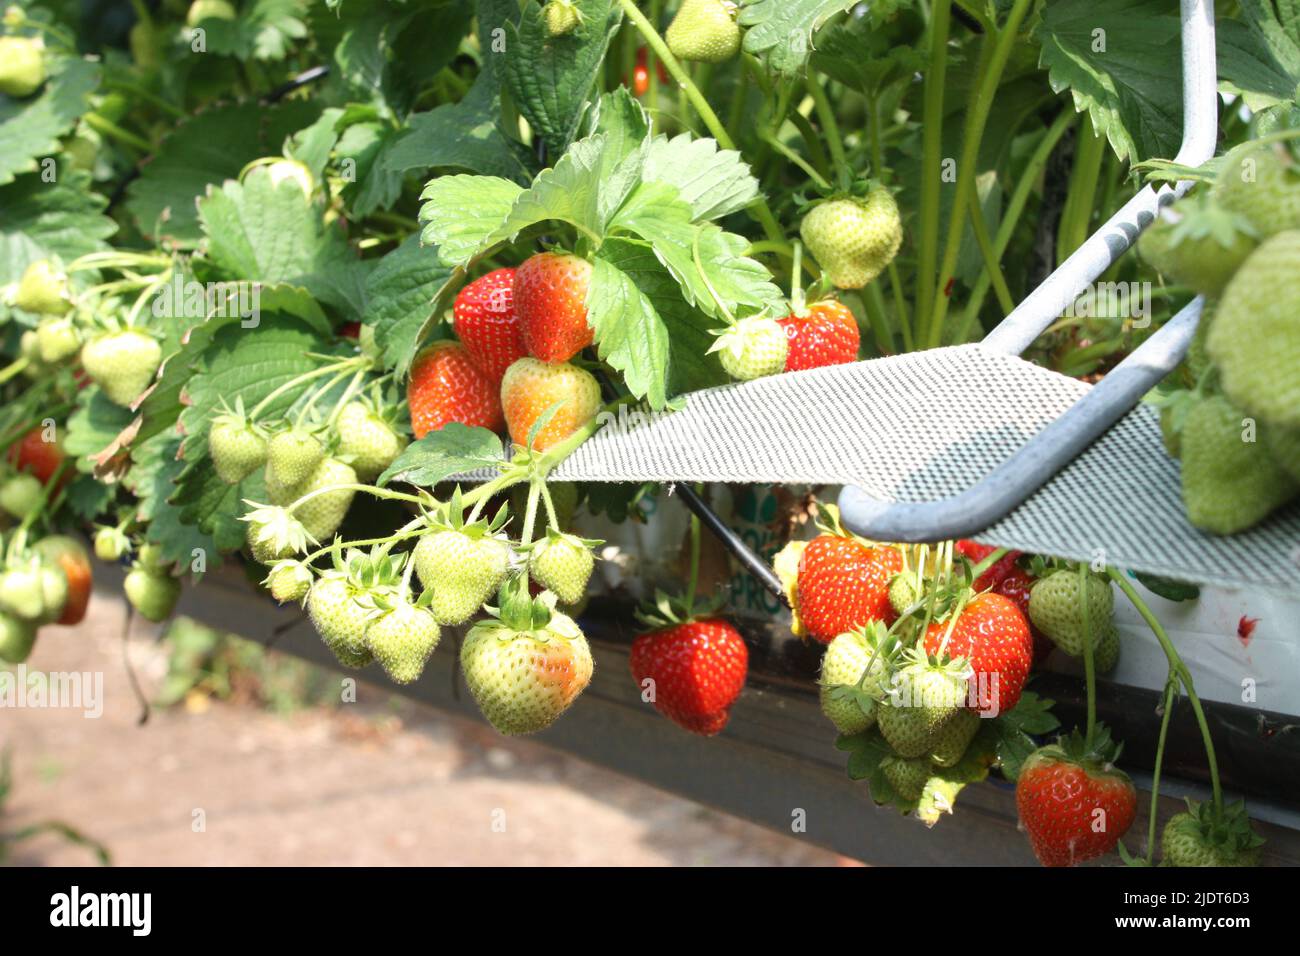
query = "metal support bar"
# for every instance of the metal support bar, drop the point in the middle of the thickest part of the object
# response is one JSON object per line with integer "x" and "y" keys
{"x": 1041, "y": 458}
{"x": 1200, "y": 131}
{"x": 751, "y": 560}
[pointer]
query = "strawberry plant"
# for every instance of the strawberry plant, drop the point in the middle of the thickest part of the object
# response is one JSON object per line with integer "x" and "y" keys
{"x": 331, "y": 290}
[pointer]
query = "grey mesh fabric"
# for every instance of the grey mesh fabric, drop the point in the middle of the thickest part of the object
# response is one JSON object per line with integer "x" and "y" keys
{"x": 927, "y": 425}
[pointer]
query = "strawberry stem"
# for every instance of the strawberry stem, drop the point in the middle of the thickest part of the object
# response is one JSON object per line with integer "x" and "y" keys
{"x": 15, "y": 367}
{"x": 695, "y": 556}
{"x": 932, "y": 124}
{"x": 1177, "y": 669}
{"x": 990, "y": 559}
{"x": 530, "y": 516}
{"x": 413, "y": 528}
{"x": 1089, "y": 667}
{"x": 552, "y": 520}
{"x": 759, "y": 207}
{"x": 831, "y": 129}
{"x": 797, "y": 302}
{"x": 298, "y": 380}
{"x": 1171, "y": 688}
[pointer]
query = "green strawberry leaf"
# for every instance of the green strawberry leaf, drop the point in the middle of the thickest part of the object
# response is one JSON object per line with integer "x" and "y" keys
{"x": 705, "y": 261}
{"x": 152, "y": 479}
{"x": 401, "y": 299}
{"x": 1116, "y": 57}
{"x": 93, "y": 426}
{"x": 1168, "y": 588}
{"x": 713, "y": 182}
{"x": 264, "y": 30}
{"x": 88, "y": 497}
{"x": 1031, "y": 715}
{"x": 644, "y": 329}
{"x": 39, "y": 219}
{"x": 213, "y": 146}
{"x": 465, "y": 135}
{"x": 1259, "y": 54}
{"x": 460, "y": 213}
{"x": 451, "y": 450}
{"x": 781, "y": 31}
{"x": 551, "y": 78}
{"x": 30, "y": 129}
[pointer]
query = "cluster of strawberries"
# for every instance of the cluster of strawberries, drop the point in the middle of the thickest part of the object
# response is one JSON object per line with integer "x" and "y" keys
{"x": 518, "y": 331}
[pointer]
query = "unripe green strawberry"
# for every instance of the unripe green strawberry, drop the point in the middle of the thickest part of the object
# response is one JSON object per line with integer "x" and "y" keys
{"x": 930, "y": 696}
{"x": 54, "y": 591}
{"x": 1056, "y": 608}
{"x": 1283, "y": 445}
{"x": 562, "y": 17}
{"x": 1106, "y": 654}
{"x": 704, "y": 31}
{"x": 949, "y": 743}
{"x": 1229, "y": 484}
{"x": 853, "y": 239}
{"x": 201, "y": 10}
{"x": 402, "y": 639}
{"x": 110, "y": 544}
{"x": 1198, "y": 838}
{"x": 290, "y": 170}
{"x": 462, "y": 570}
{"x": 29, "y": 347}
{"x": 369, "y": 442}
{"x": 58, "y": 340}
{"x": 122, "y": 363}
{"x": 16, "y": 638}
{"x": 289, "y": 581}
{"x": 1261, "y": 183}
{"x": 292, "y": 456}
{"x": 34, "y": 591}
{"x": 902, "y": 592}
{"x": 907, "y": 776}
{"x": 21, "y": 494}
{"x": 846, "y": 659}
{"x": 562, "y": 563}
{"x": 43, "y": 289}
{"x": 236, "y": 447}
{"x": 22, "y": 65}
{"x": 151, "y": 557}
{"x": 523, "y": 680}
{"x": 1198, "y": 244}
{"x": 341, "y": 613}
{"x": 1255, "y": 338}
{"x": 753, "y": 347}
{"x": 323, "y": 514}
{"x": 153, "y": 595}
{"x": 264, "y": 546}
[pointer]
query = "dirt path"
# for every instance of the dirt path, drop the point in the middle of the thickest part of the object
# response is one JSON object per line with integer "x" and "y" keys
{"x": 236, "y": 785}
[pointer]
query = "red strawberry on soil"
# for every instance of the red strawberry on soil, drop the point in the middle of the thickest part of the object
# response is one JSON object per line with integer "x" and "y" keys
{"x": 843, "y": 585}
{"x": 827, "y": 335}
{"x": 487, "y": 325}
{"x": 698, "y": 669}
{"x": 1073, "y": 802}
{"x": 445, "y": 386}
{"x": 550, "y": 297}
{"x": 993, "y": 635}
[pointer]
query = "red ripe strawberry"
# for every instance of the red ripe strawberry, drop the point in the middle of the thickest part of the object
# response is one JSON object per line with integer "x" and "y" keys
{"x": 827, "y": 335}
{"x": 993, "y": 635}
{"x": 998, "y": 570}
{"x": 844, "y": 585}
{"x": 70, "y": 555}
{"x": 487, "y": 325}
{"x": 550, "y": 293}
{"x": 34, "y": 454}
{"x": 350, "y": 330}
{"x": 445, "y": 386}
{"x": 1017, "y": 585}
{"x": 698, "y": 669}
{"x": 1074, "y": 804}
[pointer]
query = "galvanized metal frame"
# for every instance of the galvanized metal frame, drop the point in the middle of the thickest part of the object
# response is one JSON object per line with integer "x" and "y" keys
{"x": 1044, "y": 455}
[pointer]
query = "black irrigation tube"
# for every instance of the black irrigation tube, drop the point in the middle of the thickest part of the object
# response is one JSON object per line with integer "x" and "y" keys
{"x": 752, "y": 562}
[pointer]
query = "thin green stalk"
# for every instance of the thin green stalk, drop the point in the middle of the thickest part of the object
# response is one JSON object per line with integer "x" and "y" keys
{"x": 1015, "y": 207}
{"x": 1171, "y": 688}
{"x": 298, "y": 380}
{"x": 931, "y": 161}
{"x": 874, "y": 304}
{"x": 530, "y": 515}
{"x": 411, "y": 529}
{"x": 1178, "y": 668}
{"x": 1077, "y": 214}
{"x": 1089, "y": 666}
{"x": 831, "y": 129}
{"x": 993, "y": 61}
{"x": 812, "y": 142}
{"x": 113, "y": 131}
{"x": 692, "y": 584}
{"x": 139, "y": 92}
{"x": 990, "y": 559}
{"x": 798, "y": 160}
{"x": 992, "y": 265}
{"x": 877, "y": 165}
{"x": 14, "y": 368}
{"x": 372, "y": 490}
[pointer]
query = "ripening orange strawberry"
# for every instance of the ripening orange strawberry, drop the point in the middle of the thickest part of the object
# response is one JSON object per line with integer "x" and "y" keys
{"x": 532, "y": 386}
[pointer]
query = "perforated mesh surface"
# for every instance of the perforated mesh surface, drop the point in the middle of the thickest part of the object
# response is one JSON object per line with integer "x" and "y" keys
{"x": 927, "y": 425}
